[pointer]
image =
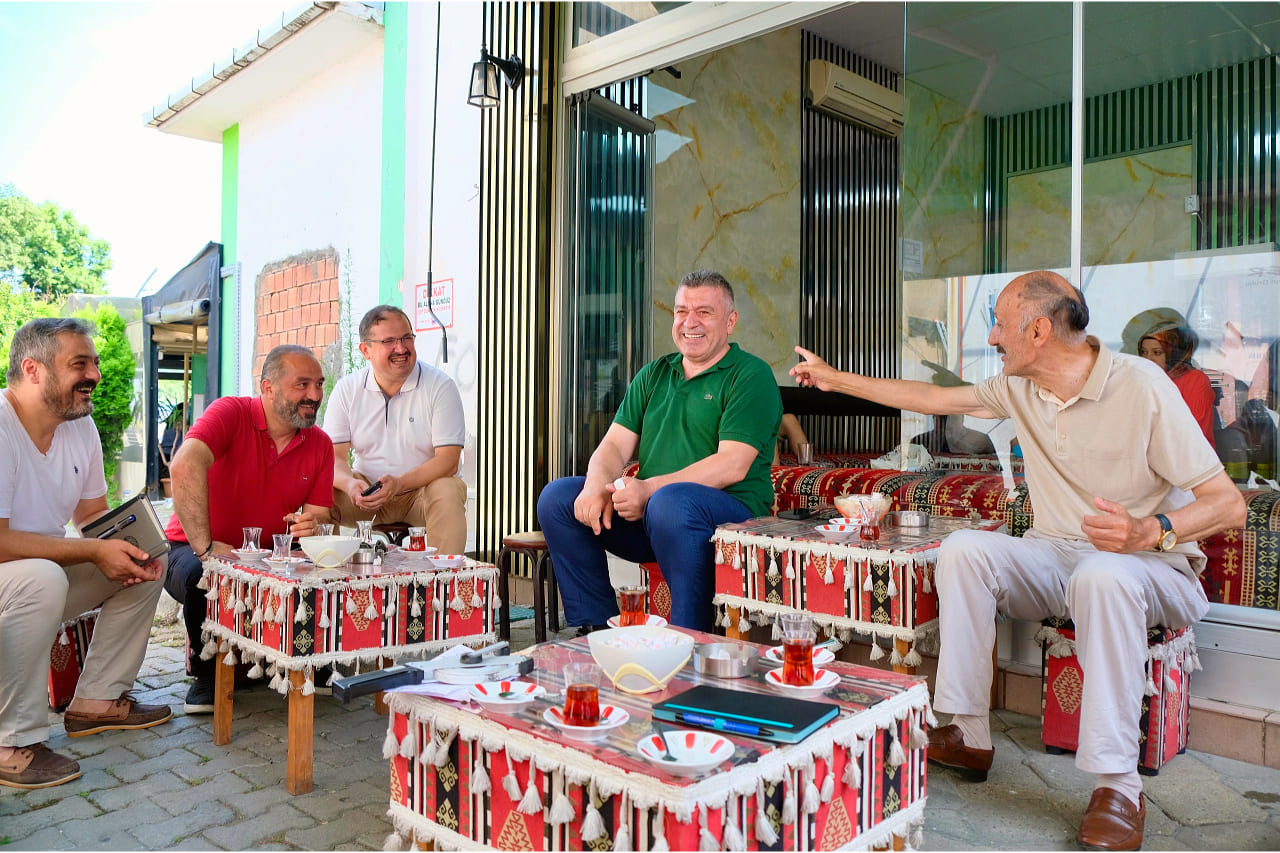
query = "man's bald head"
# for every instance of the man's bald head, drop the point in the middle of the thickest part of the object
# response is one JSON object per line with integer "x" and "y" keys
{"x": 1047, "y": 294}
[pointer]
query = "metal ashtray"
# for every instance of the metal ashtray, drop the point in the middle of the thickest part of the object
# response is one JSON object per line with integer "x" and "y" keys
{"x": 724, "y": 660}
{"x": 908, "y": 518}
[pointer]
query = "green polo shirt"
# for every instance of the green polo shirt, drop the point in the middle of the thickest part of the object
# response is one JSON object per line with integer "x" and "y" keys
{"x": 681, "y": 421}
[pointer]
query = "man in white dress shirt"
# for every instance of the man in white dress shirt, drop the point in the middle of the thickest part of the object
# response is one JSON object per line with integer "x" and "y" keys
{"x": 403, "y": 419}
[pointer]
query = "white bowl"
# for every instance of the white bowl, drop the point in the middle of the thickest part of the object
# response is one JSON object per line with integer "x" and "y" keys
{"x": 839, "y": 532}
{"x": 640, "y": 659}
{"x": 329, "y": 552}
{"x": 448, "y": 561}
{"x": 868, "y": 509}
{"x": 684, "y": 752}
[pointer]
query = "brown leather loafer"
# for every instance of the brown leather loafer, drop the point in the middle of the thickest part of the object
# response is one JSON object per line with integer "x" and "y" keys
{"x": 946, "y": 748}
{"x": 1112, "y": 822}
{"x": 37, "y": 766}
{"x": 126, "y": 713}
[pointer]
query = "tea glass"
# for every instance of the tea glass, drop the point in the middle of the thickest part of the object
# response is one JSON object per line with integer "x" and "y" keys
{"x": 364, "y": 530}
{"x": 417, "y": 538}
{"x": 798, "y": 637}
{"x": 804, "y": 453}
{"x": 795, "y": 622}
{"x": 251, "y": 535}
{"x": 324, "y": 529}
{"x": 282, "y": 544}
{"x": 631, "y": 606}
{"x": 582, "y": 694}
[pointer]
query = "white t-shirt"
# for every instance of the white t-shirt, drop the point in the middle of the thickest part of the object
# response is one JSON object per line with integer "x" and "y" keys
{"x": 39, "y": 491}
{"x": 394, "y": 435}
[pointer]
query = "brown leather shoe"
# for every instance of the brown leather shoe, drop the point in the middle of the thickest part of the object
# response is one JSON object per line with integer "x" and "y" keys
{"x": 1112, "y": 822}
{"x": 946, "y": 748}
{"x": 126, "y": 713}
{"x": 37, "y": 766}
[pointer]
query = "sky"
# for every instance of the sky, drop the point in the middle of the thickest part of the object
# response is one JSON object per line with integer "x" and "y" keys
{"x": 78, "y": 78}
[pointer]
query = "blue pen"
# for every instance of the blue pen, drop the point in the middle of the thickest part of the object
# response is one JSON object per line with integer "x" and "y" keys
{"x": 722, "y": 725}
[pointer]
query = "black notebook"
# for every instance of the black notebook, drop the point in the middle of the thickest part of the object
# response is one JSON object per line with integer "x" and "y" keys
{"x": 134, "y": 521}
{"x": 757, "y": 715}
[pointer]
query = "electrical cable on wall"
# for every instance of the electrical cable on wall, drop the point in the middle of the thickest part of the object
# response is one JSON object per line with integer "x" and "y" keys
{"x": 431, "y": 198}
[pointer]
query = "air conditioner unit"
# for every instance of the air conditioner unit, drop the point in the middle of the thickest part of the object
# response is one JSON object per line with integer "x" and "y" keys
{"x": 846, "y": 95}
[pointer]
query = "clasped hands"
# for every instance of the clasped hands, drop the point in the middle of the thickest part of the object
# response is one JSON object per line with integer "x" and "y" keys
{"x": 627, "y": 496}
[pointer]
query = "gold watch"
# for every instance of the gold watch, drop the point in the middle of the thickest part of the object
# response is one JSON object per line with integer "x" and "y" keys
{"x": 1168, "y": 538}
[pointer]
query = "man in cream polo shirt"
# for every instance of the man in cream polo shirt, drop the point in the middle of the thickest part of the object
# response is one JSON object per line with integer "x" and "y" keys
{"x": 403, "y": 419}
{"x": 1124, "y": 483}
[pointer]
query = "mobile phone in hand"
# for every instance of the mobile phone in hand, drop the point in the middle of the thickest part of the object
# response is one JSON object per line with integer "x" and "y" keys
{"x": 371, "y": 489}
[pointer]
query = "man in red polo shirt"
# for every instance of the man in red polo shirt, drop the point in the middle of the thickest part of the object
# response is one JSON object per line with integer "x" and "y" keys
{"x": 247, "y": 462}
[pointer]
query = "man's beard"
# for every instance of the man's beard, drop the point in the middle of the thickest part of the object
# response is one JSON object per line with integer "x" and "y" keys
{"x": 63, "y": 400}
{"x": 292, "y": 414}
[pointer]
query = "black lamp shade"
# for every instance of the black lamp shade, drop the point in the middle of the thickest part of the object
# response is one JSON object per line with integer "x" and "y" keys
{"x": 484, "y": 85}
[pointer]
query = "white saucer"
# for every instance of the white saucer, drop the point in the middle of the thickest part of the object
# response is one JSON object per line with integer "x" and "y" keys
{"x": 821, "y": 657}
{"x": 449, "y": 561}
{"x": 417, "y": 555}
{"x": 284, "y": 564}
{"x": 823, "y": 680}
{"x": 695, "y": 752}
{"x": 250, "y": 553}
{"x": 489, "y": 694}
{"x": 611, "y": 717}
{"x": 651, "y": 620}
{"x": 839, "y": 532}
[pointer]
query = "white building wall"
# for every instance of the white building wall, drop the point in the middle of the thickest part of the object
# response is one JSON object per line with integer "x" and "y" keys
{"x": 310, "y": 177}
{"x": 454, "y": 252}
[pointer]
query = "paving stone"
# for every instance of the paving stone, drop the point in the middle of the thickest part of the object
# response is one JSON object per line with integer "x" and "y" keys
{"x": 33, "y": 820}
{"x": 133, "y": 770}
{"x": 257, "y": 831}
{"x": 1248, "y": 835}
{"x": 194, "y": 842}
{"x": 157, "y": 787}
{"x": 326, "y": 805}
{"x": 256, "y": 799}
{"x": 337, "y": 830}
{"x": 200, "y": 814}
{"x": 164, "y": 739}
{"x": 1193, "y": 794}
{"x": 106, "y": 831}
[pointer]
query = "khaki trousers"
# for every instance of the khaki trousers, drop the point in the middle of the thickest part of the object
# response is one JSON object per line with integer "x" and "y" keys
{"x": 1112, "y": 598}
{"x": 440, "y": 506}
{"x": 36, "y": 596}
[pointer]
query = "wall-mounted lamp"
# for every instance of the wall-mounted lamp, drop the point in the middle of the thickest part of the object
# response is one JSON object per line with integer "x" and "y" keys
{"x": 484, "y": 77}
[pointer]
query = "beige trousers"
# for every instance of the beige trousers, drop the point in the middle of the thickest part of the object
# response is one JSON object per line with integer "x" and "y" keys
{"x": 1112, "y": 598}
{"x": 440, "y": 506}
{"x": 36, "y": 596}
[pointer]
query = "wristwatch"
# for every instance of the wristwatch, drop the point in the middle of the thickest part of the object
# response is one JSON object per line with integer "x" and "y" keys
{"x": 1167, "y": 538}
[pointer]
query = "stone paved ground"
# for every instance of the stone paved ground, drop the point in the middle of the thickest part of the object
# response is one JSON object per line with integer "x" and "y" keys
{"x": 170, "y": 788}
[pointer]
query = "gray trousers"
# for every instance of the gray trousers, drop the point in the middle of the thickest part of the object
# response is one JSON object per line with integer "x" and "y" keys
{"x": 36, "y": 596}
{"x": 1112, "y": 598}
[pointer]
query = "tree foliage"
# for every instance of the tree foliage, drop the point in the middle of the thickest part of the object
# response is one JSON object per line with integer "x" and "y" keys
{"x": 45, "y": 250}
{"x": 16, "y": 308}
{"x": 113, "y": 398}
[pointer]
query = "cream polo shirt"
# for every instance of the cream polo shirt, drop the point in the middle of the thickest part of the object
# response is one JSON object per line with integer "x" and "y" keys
{"x": 1127, "y": 437}
{"x": 392, "y": 435}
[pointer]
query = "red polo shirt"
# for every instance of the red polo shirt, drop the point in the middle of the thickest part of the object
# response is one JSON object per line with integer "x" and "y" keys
{"x": 250, "y": 484}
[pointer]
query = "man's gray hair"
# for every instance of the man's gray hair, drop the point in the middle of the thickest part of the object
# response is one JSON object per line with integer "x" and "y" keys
{"x": 708, "y": 278}
{"x": 377, "y": 314}
{"x": 1056, "y": 298}
{"x": 38, "y": 339}
{"x": 274, "y": 365}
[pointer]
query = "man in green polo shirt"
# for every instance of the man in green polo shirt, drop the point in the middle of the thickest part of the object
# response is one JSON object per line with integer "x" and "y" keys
{"x": 703, "y": 422}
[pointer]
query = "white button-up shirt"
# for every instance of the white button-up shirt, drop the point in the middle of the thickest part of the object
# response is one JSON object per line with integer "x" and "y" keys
{"x": 392, "y": 435}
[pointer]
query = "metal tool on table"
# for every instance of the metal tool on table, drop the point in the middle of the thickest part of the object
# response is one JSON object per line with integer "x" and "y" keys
{"x": 491, "y": 663}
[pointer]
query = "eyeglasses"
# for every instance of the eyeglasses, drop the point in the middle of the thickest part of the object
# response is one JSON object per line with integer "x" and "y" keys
{"x": 406, "y": 341}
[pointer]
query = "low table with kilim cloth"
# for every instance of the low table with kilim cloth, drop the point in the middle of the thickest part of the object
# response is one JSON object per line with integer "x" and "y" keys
{"x": 882, "y": 589}
{"x": 290, "y": 623}
{"x": 477, "y": 779}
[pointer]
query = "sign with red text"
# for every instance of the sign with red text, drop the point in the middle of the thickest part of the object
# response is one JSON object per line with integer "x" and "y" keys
{"x": 440, "y": 294}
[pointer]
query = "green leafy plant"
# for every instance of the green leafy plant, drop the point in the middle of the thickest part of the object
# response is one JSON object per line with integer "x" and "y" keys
{"x": 113, "y": 398}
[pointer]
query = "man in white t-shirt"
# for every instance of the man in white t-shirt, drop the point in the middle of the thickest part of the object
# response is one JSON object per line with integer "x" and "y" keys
{"x": 403, "y": 419}
{"x": 51, "y": 473}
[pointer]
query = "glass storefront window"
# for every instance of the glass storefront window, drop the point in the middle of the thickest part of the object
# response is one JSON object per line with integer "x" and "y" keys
{"x": 593, "y": 20}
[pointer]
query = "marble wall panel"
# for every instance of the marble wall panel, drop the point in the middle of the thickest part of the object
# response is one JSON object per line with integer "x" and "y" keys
{"x": 942, "y": 183}
{"x": 727, "y": 188}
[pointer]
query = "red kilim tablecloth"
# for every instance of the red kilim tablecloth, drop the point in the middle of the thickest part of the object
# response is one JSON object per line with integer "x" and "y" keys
{"x": 884, "y": 589}
{"x": 475, "y": 779}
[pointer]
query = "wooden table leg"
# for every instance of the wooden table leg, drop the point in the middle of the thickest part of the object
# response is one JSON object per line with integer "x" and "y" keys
{"x": 380, "y": 698}
{"x": 224, "y": 686}
{"x": 995, "y": 672}
{"x": 732, "y": 632}
{"x": 902, "y": 647}
{"x": 301, "y": 726}
{"x": 424, "y": 844}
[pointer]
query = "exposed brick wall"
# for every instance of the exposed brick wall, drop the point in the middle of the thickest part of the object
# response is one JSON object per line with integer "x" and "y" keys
{"x": 297, "y": 303}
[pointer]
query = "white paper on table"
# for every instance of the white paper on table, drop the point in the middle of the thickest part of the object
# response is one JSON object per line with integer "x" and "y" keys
{"x": 437, "y": 689}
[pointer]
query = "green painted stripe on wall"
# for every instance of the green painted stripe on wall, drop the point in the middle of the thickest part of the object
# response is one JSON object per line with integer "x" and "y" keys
{"x": 229, "y": 224}
{"x": 395, "y": 67}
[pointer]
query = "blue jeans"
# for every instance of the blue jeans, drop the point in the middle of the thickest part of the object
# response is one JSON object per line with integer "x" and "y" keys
{"x": 675, "y": 531}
